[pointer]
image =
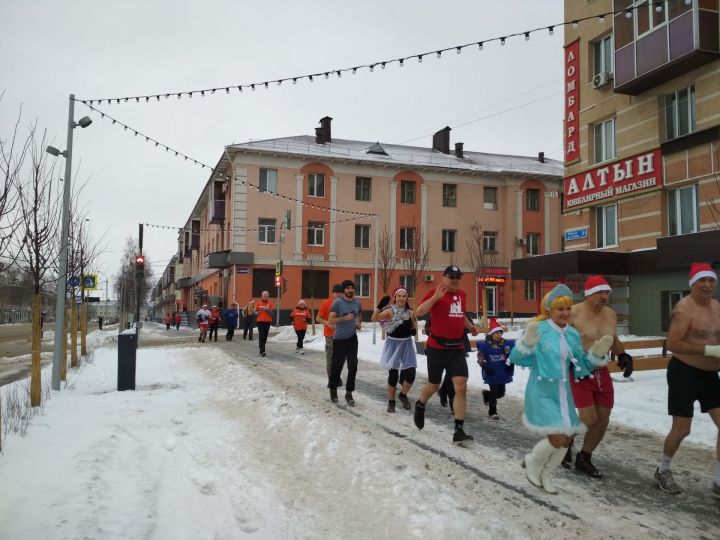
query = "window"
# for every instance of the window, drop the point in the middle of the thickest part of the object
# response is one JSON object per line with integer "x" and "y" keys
{"x": 532, "y": 200}
{"x": 315, "y": 233}
{"x": 603, "y": 55}
{"x": 362, "y": 236}
{"x": 606, "y": 224}
{"x": 490, "y": 241}
{"x": 407, "y": 192}
{"x": 682, "y": 210}
{"x": 263, "y": 279}
{"x": 490, "y": 198}
{"x": 362, "y": 285}
{"x": 362, "y": 188}
{"x": 448, "y": 240}
{"x": 680, "y": 112}
{"x": 407, "y": 238}
{"x": 266, "y": 231}
{"x": 530, "y": 290}
{"x": 449, "y": 195}
{"x": 647, "y": 18}
{"x": 315, "y": 283}
{"x": 532, "y": 243}
{"x": 316, "y": 184}
{"x": 406, "y": 283}
{"x": 604, "y": 135}
{"x": 268, "y": 181}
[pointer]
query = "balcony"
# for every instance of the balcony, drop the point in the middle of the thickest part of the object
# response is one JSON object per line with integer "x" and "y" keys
{"x": 687, "y": 41}
{"x": 223, "y": 259}
{"x": 183, "y": 283}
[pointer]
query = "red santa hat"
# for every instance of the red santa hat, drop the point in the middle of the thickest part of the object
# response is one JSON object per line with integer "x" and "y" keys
{"x": 596, "y": 284}
{"x": 701, "y": 270}
{"x": 494, "y": 327}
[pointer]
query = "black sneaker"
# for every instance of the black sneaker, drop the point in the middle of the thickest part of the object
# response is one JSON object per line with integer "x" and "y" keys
{"x": 263, "y": 354}
{"x": 492, "y": 413}
{"x": 443, "y": 400}
{"x": 583, "y": 463}
{"x": 486, "y": 397}
{"x": 405, "y": 401}
{"x": 391, "y": 406}
{"x": 462, "y": 439}
{"x": 567, "y": 460}
{"x": 349, "y": 399}
{"x": 333, "y": 395}
{"x": 419, "y": 415}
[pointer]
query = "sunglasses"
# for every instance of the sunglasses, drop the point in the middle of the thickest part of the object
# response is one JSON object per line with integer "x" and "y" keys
{"x": 454, "y": 276}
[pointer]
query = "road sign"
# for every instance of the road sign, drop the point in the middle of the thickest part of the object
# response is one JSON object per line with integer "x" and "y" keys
{"x": 92, "y": 299}
{"x": 74, "y": 281}
{"x": 89, "y": 282}
{"x": 243, "y": 270}
{"x": 576, "y": 234}
{"x": 278, "y": 268}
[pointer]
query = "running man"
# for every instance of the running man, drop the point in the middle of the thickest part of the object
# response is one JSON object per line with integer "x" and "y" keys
{"x": 345, "y": 315}
{"x": 328, "y": 329}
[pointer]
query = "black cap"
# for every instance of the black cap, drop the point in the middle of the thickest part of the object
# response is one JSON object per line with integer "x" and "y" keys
{"x": 347, "y": 283}
{"x": 452, "y": 270}
{"x": 337, "y": 288}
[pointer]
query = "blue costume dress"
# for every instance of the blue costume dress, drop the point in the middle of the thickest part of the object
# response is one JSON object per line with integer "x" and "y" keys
{"x": 549, "y": 405}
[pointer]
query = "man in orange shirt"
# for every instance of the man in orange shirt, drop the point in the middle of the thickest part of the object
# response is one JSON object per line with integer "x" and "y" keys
{"x": 328, "y": 329}
{"x": 263, "y": 310}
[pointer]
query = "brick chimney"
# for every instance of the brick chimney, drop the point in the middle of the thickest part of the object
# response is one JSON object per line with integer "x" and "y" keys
{"x": 323, "y": 134}
{"x": 541, "y": 157}
{"x": 441, "y": 140}
{"x": 459, "y": 149}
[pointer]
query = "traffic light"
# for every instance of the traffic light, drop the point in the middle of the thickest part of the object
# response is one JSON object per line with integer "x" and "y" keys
{"x": 139, "y": 266}
{"x": 278, "y": 281}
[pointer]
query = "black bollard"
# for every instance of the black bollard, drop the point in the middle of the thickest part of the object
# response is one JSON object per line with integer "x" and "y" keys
{"x": 127, "y": 349}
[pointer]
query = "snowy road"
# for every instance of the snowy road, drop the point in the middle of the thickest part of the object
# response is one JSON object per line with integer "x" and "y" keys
{"x": 217, "y": 443}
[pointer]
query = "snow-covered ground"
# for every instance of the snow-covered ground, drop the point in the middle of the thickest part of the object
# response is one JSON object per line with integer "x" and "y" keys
{"x": 215, "y": 443}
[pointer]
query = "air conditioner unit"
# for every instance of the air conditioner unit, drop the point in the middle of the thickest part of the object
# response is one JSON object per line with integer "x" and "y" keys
{"x": 429, "y": 277}
{"x": 602, "y": 79}
{"x": 520, "y": 241}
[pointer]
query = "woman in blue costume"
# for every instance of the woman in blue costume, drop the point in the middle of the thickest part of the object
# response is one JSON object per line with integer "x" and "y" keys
{"x": 553, "y": 351}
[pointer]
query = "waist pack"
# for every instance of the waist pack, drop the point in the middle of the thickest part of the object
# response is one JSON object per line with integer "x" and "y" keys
{"x": 448, "y": 342}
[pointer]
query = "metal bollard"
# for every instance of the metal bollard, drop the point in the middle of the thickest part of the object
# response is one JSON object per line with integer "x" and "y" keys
{"x": 127, "y": 349}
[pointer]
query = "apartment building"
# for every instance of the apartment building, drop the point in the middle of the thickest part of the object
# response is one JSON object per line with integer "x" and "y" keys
{"x": 312, "y": 211}
{"x": 641, "y": 197}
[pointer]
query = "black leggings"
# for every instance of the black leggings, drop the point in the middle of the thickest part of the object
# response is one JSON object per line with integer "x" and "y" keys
{"x": 301, "y": 338}
{"x": 407, "y": 375}
{"x": 496, "y": 392}
{"x": 263, "y": 330}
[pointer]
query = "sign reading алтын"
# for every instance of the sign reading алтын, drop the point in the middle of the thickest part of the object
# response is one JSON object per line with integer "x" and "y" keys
{"x": 637, "y": 173}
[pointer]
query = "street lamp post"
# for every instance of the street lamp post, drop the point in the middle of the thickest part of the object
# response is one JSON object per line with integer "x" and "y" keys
{"x": 61, "y": 288}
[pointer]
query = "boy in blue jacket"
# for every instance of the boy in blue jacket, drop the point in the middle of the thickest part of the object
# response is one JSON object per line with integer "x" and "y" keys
{"x": 497, "y": 371}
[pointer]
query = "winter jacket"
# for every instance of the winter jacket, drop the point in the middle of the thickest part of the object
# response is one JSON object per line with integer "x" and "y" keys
{"x": 495, "y": 357}
{"x": 231, "y": 318}
{"x": 300, "y": 317}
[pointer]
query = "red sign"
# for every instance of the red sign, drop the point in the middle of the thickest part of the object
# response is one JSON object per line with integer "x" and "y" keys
{"x": 572, "y": 102}
{"x": 493, "y": 275}
{"x": 637, "y": 173}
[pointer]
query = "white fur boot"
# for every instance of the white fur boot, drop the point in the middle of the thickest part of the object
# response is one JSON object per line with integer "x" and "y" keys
{"x": 535, "y": 461}
{"x": 546, "y": 476}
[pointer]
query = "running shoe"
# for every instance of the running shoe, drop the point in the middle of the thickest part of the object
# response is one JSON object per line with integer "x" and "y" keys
{"x": 492, "y": 413}
{"x": 391, "y": 407}
{"x": 419, "y": 415}
{"x": 333, "y": 395}
{"x": 583, "y": 463}
{"x": 666, "y": 482}
{"x": 461, "y": 438}
{"x": 349, "y": 399}
{"x": 405, "y": 401}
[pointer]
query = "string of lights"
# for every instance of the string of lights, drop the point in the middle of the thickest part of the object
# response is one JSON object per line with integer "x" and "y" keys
{"x": 381, "y": 64}
{"x": 222, "y": 175}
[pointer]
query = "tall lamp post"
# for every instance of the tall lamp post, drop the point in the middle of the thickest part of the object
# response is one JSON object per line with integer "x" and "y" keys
{"x": 61, "y": 287}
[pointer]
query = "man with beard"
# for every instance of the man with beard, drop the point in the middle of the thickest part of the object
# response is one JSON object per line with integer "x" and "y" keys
{"x": 692, "y": 373}
{"x": 594, "y": 396}
{"x": 345, "y": 315}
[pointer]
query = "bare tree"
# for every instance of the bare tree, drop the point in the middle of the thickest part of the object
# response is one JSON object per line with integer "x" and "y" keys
{"x": 40, "y": 201}
{"x": 479, "y": 260}
{"x": 125, "y": 282}
{"x": 416, "y": 255}
{"x": 386, "y": 259}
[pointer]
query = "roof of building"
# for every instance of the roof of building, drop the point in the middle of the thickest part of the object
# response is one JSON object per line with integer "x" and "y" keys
{"x": 305, "y": 146}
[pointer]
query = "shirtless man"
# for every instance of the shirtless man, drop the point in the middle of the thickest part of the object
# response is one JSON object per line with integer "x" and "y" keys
{"x": 595, "y": 396}
{"x": 692, "y": 373}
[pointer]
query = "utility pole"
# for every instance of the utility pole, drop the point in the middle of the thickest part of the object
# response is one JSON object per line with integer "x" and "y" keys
{"x": 139, "y": 276}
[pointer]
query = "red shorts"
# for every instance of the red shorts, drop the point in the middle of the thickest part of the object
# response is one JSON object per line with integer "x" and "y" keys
{"x": 594, "y": 390}
{"x": 203, "y": 325}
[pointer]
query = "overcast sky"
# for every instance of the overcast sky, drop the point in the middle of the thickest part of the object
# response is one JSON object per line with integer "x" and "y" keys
{"x": 509, "y": 98}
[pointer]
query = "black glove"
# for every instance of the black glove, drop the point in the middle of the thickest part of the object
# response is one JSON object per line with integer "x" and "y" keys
{"x": 413, "y": 332}
{"x": 384, "y": 301}
{"x": 510, "y": 368}
{"x": 625, "y": 361}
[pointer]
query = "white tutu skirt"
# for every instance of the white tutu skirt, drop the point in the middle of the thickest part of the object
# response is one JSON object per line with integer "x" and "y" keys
{"x": 398, "y": 353}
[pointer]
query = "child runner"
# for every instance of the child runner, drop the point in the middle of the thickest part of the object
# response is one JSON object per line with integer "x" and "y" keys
{"x": 299, "y": 317}
{"x": 496, "y": 370}
{"x": 553, "y": 351}
{"x": 398, "y": 354}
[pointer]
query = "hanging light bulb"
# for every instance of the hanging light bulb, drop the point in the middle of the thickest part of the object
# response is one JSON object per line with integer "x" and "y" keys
{"x": 551, "y": 30}
{"x": 688, "y": 2}
{"x": 502, "y": 41}
{"x": 527, "y": 36}
{"x": 402, "y": 62}
{"x": 252, "y": 86}
{"x": 339, "y": 73}
{"x": 382, "y": 66}
{"x": 658, "y": 6}
{"x": 266, "y": 85}
{"x": 458, "y": 50}
{"x": 480, "y": 45}
{"x": 279, "y": 82}
{"x": 212, "y": 91}
{"x": 419, "y": 59}
{"x": 438, "y": 54}
{"x": 327, "y": 75}
{"x": 310, "y": 77}
{"x": 628, "y": 13}
{"x": 294, "y": 80}
{"x": 574, "y": 24}
{"x": 372, "y": 68}
{"x": 354, "y": 71}
{"x": 202, "y": 93}
{"x": 601, "y": 19}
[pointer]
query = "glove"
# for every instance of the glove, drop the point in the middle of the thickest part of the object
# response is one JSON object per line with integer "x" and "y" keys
{"x": 712, "y": 350}
{"x": 413, "y": 332}
{"x": 625, "y": 361}
{"x": 510, "y": 368}
{"x": 530, "y": 338}
{"x": 384, "y": 301}
{"x": 601, "y": 347}
{"x": 488, "y": 368}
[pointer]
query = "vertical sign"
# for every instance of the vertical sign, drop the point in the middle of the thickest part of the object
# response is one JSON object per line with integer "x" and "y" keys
{"x": 572, "y": 102}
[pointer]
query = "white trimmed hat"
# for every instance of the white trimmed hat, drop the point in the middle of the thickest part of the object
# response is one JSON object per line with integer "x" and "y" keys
{"x": 699, "y": 271}
{"x": 596, "y": 284}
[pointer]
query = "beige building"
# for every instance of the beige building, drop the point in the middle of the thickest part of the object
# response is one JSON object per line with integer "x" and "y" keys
{"x": 641, "y": 197}
{"x": 323, "y": 205}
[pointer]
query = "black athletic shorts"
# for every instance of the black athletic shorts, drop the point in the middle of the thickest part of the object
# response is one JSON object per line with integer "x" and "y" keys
{"x": 687, "y": 384}
{"x": 452, "y": 361}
